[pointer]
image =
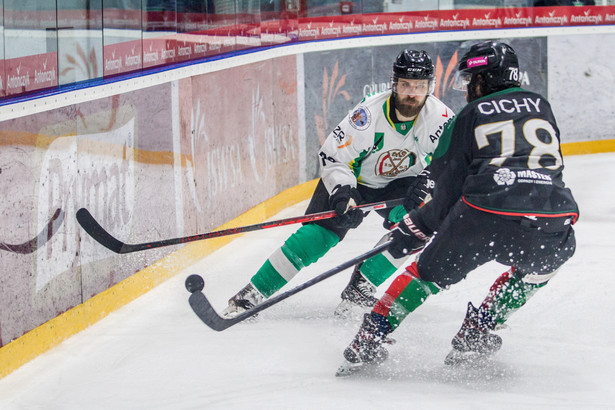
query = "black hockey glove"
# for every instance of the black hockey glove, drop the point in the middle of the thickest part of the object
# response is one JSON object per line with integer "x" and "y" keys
{"x": 407, "y": 239}
{"x": 418, "y": 191}
{"x": 341, "y": 200}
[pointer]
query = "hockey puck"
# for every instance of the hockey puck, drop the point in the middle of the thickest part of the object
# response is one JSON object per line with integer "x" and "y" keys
{"x": 194, "y": 283}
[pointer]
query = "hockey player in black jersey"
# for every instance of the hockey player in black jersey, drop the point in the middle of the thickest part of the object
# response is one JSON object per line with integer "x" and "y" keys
{"x": 499, "y": 196}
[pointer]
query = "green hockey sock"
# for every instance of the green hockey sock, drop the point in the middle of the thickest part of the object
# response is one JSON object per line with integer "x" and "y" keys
{"x": 379, "y": 268}
{"x": 308, "y": 244}
{"x": 507, "y": 295}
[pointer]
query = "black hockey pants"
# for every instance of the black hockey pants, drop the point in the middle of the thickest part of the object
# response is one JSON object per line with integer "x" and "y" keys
{"x": 469, "y": 238}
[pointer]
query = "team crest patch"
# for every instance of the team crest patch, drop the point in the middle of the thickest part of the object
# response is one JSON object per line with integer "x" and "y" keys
{"x": 361, "y": 118}
{"x": 394, "y": 162}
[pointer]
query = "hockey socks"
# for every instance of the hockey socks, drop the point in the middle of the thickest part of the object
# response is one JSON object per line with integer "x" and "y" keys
{"x": 308, "y": 244}
{"x": 379, "y": 268}
{"x": 406, "y": 293}
{"x": 507, "y": 294}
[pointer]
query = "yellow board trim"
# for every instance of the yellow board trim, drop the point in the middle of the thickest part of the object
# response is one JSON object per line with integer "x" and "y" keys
{"x": 588, "y": 147}
{"x": 55, "y": 331}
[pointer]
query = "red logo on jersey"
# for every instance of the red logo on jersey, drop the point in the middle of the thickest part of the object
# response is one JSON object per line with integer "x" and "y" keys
{"x": 394, "y": 162}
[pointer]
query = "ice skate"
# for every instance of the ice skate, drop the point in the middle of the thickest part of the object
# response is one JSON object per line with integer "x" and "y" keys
{"x": 474, "y": 342}
{"x": 244, "y": 300}
{"x": 366, "y": 348}
{"x": 357, "y": 297}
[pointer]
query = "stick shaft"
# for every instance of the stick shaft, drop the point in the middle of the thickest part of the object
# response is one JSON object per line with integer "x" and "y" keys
{"x": 96, "y": 231}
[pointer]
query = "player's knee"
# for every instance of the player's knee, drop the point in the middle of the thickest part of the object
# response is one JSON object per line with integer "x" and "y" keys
{"x": 425, "y": 273}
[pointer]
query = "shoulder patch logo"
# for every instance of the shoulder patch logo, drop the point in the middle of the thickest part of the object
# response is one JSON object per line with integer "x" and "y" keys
{"x": 361, "y": 118}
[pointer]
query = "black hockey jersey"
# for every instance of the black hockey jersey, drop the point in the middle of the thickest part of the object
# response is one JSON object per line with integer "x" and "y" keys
{"x": 501, "y": 154}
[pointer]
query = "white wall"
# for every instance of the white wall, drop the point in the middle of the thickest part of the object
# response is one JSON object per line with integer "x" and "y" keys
{"x": 582, "y": 85}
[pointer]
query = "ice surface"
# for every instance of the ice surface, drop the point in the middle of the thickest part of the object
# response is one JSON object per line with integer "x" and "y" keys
{"x": 558, "y": 352}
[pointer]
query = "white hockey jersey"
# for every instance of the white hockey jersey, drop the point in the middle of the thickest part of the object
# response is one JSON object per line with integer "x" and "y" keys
{"x": 366, "y": 148}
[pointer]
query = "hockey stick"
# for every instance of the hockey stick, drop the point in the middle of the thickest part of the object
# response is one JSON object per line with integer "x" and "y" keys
{"x": 205, "y": 311}
{"x": 45, "y": 235}
{"x": 93, "y": 228}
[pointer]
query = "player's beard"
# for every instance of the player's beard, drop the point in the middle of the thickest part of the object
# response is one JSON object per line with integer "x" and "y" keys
{"x": 409, "y": 105}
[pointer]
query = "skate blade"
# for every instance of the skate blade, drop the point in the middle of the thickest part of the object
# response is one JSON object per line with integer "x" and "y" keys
{"x": 347, "y": 369}
{"x": 456, "y": 358}
{"x": 231, "y": 314}
{"x": 347, "y": 310}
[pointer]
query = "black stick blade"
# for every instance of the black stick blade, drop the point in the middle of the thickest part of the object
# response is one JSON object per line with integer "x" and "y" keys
{"x": 205, "y": 311}
{"x": 41, "y": 239}
{"x": 93, "y": 228}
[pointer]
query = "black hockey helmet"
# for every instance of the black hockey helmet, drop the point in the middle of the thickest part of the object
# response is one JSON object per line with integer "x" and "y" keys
{"x": 413, "y": 65}
{"x": 497, "y": 62}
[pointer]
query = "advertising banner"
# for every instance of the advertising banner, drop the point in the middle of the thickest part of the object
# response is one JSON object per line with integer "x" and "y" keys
{"x": 247, "y": 31}
{"x": 159, "y": 51}
{"x": 320, "y": 28}
{"x": 570, "y": 16}
{"x": 275, "y": 32}
{"x": 317, "y": 28}
{"x": 122, "y": 57}
{"x": 191, "y": 46}
{"x": 31, "y": 73}
{"x": 399, "y": 23}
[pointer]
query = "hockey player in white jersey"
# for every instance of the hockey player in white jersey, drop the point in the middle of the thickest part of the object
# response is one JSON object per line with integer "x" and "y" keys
{"x": 377, "y": 152}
